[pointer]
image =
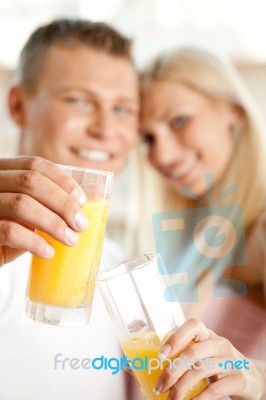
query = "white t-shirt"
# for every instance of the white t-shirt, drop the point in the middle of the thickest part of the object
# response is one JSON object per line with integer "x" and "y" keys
{"x": 28, "y": 348}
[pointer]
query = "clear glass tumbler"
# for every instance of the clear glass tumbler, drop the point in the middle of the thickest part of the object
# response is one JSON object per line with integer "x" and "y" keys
{"x": 133, "y": 293}
{"x": 60, "y": 290}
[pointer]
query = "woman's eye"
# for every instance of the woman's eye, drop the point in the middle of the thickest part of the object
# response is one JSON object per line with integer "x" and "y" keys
{"x": 147, "y": 138}
{"x": 178, "y": 122}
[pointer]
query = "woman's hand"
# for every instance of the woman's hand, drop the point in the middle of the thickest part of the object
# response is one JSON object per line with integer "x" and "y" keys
{"x": 37, "y": 194}
{"x": 246, "y": 381}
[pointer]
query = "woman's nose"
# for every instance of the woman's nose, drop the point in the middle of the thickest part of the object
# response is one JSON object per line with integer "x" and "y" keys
{"x": 167, "y": 151}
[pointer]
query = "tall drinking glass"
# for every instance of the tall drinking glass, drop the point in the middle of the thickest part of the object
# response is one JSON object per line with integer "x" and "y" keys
{"x": 60, "y": 290}
{"x": 133, "y": 293}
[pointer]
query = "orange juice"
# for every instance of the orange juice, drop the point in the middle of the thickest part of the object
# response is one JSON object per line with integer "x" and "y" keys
{"x": 67, "y": 279}
{"x": 149, "y": 345}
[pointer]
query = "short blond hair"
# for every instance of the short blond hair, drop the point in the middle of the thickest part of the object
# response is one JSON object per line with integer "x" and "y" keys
{"x": 68, "y": 33}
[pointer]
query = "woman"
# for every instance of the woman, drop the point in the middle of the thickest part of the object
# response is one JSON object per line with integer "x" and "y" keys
{"x": 198, "y": 120}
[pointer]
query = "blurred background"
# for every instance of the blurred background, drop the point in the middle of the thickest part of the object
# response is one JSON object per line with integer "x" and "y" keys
{"x": 235, "y": 27}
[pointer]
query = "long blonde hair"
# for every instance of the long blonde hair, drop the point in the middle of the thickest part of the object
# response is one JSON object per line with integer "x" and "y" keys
{"x": 216, "y": 78}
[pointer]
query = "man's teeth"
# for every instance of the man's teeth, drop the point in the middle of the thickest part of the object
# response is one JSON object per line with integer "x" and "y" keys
{"x": 184, "y": 169}
{"x": 94, "y": 155}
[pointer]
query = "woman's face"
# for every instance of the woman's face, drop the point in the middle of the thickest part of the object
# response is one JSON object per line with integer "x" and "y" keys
{"x": 187, "y": 134}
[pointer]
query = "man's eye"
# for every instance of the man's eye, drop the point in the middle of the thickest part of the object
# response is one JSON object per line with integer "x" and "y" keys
{"x": 178, "y": 122}
{"x": 75, "y": 100}
{"x": 122, "y": 110}
{"x": 81, "y": 102}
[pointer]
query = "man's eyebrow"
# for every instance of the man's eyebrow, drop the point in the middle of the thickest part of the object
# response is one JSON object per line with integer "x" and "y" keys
{"x": 128, "y": 99}
{"x": 95, "y": 93}
{"x": 76, "y": 89}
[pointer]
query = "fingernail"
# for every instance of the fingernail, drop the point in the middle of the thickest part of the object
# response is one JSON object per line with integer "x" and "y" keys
{"x": 165, "y": 351}
{"x": 49, "y": 251}
{"x": 158, "y": 389}
{"x": 81, "y": 221}
{"x": 80, "y": 196}
{"x": 71, "y": 236}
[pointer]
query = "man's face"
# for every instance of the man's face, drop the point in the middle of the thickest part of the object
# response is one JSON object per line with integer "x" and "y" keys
{"x": 84, "y": 111}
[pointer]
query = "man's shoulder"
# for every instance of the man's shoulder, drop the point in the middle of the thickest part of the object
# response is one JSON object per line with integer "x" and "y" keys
{"x": 19, "y": 264}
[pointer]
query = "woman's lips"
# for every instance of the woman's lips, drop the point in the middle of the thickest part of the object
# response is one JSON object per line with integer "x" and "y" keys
{"x": 184, "y": 169}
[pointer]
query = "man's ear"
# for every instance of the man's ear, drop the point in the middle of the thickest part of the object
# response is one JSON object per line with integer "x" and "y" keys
{"x": 16, "y": 103}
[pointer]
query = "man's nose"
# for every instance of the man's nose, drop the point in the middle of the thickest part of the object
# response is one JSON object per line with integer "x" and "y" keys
{"x": 102, "y": 125}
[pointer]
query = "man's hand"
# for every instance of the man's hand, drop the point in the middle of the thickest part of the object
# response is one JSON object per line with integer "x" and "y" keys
{"x": 37, "y": 194}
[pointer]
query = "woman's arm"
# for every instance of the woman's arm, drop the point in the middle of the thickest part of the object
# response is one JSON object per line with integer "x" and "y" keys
{"x": 211, "y": 356}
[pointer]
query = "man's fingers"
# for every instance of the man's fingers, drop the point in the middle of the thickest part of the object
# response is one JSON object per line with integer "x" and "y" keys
{"x": 48, "y": 169}
{"x": 27, "y": 211}
{"x": 25, "y": 184}
{"x": 16, "y": 236}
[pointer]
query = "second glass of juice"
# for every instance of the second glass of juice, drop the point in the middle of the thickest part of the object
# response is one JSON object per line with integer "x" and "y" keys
{"x": 133, "y": 293}
{"x": 60, "y": 290}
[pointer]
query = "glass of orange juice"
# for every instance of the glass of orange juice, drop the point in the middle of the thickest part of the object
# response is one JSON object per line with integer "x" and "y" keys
{"x": 60, "y": 289}
{"x": 133, "y": 293}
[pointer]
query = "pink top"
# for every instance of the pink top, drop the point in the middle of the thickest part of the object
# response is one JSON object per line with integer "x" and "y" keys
{"x": 242, "y": 320}
{"x": 239, "y": 320}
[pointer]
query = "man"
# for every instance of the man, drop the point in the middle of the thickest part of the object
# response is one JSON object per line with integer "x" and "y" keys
{"x": 76, "y": 103}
